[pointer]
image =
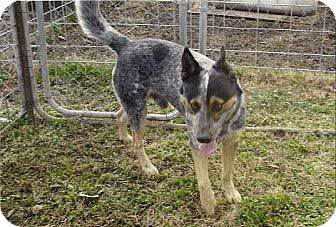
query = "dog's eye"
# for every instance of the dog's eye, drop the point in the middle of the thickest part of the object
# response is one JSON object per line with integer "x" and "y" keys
{"x": 195, "y": 107}
{"x": 217, "y": 107}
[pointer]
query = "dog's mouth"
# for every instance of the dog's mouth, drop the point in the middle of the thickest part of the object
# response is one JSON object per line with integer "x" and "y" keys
{"x": 208, "y": 148}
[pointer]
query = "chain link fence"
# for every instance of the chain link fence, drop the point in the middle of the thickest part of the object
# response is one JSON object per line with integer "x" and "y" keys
{"x": 71, "y": 74}
{"x": 277, "y": 41}
{"x": 9, "y": 89}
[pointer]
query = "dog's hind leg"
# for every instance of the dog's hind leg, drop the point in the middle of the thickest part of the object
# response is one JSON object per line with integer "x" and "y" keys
{"x": 122, "y": 127}
{"x": 228, "y": 154}
{"x": 207, "y": 197}
{"x": 138, "y": 127}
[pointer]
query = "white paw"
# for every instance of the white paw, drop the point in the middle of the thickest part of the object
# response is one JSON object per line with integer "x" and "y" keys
{"x": 209, "y": 203}
{"x": 126, "y": 138}
{"x": 232, "y": 196}
{"x": 150, "y": 169}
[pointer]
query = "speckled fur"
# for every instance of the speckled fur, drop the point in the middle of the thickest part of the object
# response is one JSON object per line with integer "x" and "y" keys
{"x": 158, "y": 66}
{"x": 149, "y": 65}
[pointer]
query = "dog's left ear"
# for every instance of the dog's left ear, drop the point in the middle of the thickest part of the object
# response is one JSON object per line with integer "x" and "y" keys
{"x": 222, "y": 64}
{"x": 190, "y": 67}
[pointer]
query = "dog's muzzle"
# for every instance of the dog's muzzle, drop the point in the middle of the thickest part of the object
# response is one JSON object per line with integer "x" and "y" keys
{"x": 204, "y": 138}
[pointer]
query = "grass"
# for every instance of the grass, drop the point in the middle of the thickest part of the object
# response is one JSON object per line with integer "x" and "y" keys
{"x": 4, "y": 76}
{"x": 9, "y": 97}
{"x": 284, "y": 179}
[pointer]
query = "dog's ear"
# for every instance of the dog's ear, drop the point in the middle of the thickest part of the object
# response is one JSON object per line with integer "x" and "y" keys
{"x": 222, "y": 64}
{"x": 190, "y": 67}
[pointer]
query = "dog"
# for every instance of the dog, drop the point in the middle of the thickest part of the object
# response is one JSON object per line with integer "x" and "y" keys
{"x": 205, "y": 92}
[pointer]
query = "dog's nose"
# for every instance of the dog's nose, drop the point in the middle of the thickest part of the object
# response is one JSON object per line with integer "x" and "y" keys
{"x": 205, "y": 138}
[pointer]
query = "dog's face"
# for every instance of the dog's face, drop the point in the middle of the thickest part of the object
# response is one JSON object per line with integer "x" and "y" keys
{"x": 211, "y": 97}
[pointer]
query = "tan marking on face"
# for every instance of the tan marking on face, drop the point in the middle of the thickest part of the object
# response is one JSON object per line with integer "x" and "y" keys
{"x": 228, "y": 104}
{"x": 218, "y": 105}
{"x": 195, "y": 101}
{"x": 195, "y": 104}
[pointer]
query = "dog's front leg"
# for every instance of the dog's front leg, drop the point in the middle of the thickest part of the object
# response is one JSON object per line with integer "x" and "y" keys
{"x": 207, "y": 197}
{"x": 230, "y": 148}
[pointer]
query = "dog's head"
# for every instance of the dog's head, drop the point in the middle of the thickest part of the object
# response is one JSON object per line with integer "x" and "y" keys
{"x": 211, "y": 97}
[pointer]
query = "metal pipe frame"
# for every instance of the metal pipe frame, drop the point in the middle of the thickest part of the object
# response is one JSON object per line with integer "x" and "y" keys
{"x": 107, "y": 117}
{"x": 183, "y": 22}
{"x": 47, "y": 88}
{"x": 23, "y": 66}
{"x": 203, "y": 26}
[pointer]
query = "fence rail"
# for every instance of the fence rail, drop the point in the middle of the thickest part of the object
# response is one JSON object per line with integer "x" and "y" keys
{"x": 56, "y": 44}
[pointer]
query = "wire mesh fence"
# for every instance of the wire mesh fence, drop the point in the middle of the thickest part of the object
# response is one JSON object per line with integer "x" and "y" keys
{"x": 10, "y": 102}
{"x": 263, "y": 40}
{"x": 73, "y": 73}
{"x": 65, "y": 43}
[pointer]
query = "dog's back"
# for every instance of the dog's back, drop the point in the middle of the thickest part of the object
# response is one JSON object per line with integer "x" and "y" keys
{"x": 143, "y": 66}
{"x": 147, "y": 66}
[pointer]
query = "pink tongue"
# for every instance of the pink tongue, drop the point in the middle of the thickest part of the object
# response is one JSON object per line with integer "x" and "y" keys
{"x": 207, "y": 148}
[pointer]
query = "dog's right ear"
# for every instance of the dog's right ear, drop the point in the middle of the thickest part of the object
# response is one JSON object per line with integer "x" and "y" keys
{"x": 190, "y": 67}
{"x": 222, "y": 64}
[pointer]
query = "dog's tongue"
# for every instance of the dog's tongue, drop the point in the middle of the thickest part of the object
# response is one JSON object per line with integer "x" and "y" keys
{"x": 207, "y": 148}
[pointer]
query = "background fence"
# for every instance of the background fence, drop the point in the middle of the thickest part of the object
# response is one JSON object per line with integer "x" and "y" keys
{"x": 71, "y": 74}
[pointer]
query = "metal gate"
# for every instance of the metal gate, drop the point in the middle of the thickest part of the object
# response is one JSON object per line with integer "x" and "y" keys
{"x": 63, "y": 75}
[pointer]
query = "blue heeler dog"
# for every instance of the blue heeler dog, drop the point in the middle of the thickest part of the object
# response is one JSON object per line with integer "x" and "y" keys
{"x": 205, "y": 92}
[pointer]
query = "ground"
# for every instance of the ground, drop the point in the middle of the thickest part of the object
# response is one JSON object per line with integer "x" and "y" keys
{"x": 66, "y": 173}
{"x": 71, "y": 173}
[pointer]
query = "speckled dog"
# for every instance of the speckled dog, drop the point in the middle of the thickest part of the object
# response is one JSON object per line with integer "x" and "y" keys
{"x": 205, "y": 92}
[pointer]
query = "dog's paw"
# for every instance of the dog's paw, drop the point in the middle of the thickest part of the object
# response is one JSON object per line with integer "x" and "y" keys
{"x": 150, "y": 170}
{"x": 232, "y": 196}
{"x": 209, "y": 207}
{"x": 209, "y": 203}
{"x": 126, "y": 138}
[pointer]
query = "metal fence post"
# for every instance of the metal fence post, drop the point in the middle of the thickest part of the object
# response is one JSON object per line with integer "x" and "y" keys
{"x": 183, "y": 22}
{"x": 22, "y": 60}
{"x": 203, "y": 27}
{"x": 17, "y": 65}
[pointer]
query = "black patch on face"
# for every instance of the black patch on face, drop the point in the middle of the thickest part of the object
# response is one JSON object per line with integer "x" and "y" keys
{"x": 160, "y": 51}
{"x": 222, "y": 84}
{"x": 222, "y": 81}
{"x": 191, "y": 89}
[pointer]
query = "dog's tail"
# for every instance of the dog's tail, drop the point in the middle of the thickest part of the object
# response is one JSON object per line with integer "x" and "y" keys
{"x": 94, "y": 25}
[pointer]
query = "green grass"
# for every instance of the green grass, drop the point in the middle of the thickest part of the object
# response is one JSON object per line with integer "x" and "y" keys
{"x": 273, "y": 98}
{"x": 284, "y": 179}
{"x": 4, "y": 76}
{"x": 9, "y": 97}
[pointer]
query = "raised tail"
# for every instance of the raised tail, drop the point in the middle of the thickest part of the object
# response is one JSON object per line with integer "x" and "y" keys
{"x": 94, "y": 25}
